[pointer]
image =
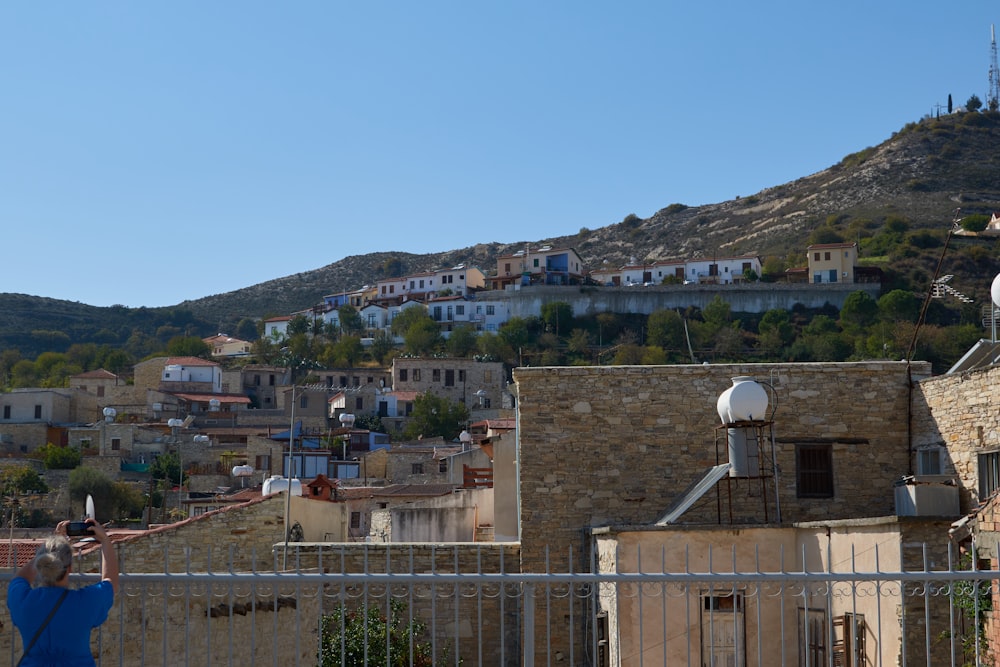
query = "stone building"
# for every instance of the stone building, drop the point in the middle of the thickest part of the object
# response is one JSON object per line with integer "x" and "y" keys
{"x": 457, "y": 379}
{"x": 617, "y": 446}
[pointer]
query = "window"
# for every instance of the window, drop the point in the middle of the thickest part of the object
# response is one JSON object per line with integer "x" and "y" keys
{"x": 449, "y": 378}
{"x": 535, "y": 263}
{"x": 100, "y": 392}
{"x": 38, "y": 412}
{"x": 443, "y": 465}
{"x": 929, "y": 461}
{"x": 116, "y": 444}
{"x": 270, "y": 380}
{"x": 256, "y": 380}
{"x": 416, "y": 468}
{"x": 84, "y": 443}
{"x": 486, "y": 402}
{"x": 416, "y": 375}
{"x": 402, "y": 375}
{"x": 490, "y": 310}
{"x": 815, "y": 256}
{"x": 826, "y": 256}
{"x": 989, "y": 473}
{"x": 487, "y": 376}
{"x": 421, "y": 284}
{"x": 356, "y": 520}
{"x": 6, "y": 412}
{"x": 436, "y": 375}
{"x": 460, "y": 310}
{"x": 461, "y": 375}
{"x": 814, "y": 471}
{"x": 359, "y": 402}
{"x": 262, "y": 462}
{"x": 303, "y": 402}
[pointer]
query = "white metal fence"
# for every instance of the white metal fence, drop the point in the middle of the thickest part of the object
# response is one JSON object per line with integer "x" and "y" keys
{"x": 314, "y": 616}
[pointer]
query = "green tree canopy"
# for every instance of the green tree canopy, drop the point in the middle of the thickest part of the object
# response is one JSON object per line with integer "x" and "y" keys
{"x": 350, "y": 319}
{"x": 462, "y": 341}
{"x": 435, "y": 416}
{"x": 188, "y": 346}
{"x": 859, "y": 310}
{"x": 665, "y": 329}
{"x": 557, "y": 317}
{"x": 422, "y": 337}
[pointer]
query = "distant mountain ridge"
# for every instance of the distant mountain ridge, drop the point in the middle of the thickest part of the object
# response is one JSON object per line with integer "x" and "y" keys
{"x": 922, "y": 174}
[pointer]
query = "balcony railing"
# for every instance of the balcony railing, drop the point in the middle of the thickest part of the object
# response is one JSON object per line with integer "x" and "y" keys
{"x": 324, "y": 607}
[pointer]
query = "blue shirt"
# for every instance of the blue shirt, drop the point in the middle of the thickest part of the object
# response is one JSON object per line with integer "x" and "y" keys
{"x": 66, "y": 639}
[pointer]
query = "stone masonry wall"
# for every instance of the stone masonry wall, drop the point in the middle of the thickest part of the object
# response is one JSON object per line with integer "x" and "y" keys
{"x": 961, "y": 412}
{"x": 618, "y": 445}
{"x": 470, "y": 619}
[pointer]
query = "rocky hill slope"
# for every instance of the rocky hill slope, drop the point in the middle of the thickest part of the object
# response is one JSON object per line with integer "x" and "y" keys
{"x": 920, "y": 175}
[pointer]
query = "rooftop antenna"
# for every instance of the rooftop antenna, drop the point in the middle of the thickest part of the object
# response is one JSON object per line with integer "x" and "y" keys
{"x": 993, "y": 94}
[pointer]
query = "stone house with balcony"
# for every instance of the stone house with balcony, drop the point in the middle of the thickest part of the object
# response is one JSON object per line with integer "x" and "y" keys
{"x": 538, "y": 266}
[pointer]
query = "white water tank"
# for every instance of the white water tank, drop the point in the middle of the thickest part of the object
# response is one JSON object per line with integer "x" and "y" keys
{"x": 278, "y": 484}
{"x": 242, "y": 471}
{"x": 745, "y": 401}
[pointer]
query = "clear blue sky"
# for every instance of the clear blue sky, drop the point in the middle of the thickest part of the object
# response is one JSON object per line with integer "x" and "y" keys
{"x": 152, "y": 152}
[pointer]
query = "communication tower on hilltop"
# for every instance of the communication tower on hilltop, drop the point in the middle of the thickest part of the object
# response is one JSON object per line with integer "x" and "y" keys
{"x": 993, "y": 94}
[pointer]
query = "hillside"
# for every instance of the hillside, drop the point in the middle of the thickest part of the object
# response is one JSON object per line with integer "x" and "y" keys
{"x": 920, "y": 176}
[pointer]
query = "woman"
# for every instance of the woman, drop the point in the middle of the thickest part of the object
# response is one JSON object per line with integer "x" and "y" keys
{"x": 42, "y": 585}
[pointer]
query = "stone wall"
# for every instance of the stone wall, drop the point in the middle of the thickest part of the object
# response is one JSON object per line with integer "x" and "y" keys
{"x": 617, "y": 445}
{"x": 749, "y": 298}
{"x": 961, "y": 413}
{"x": 477, "y": 620}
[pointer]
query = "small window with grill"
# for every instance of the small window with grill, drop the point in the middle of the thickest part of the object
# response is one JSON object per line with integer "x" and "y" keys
{"x": 814, "y": 471}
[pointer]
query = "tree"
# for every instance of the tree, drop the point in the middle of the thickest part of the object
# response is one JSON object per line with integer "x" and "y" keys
{"x": 16, "y": 478}
{"x": 557, "y": 316}
{"x": 406, "y": 318}
{"x": 299, "y": 324}
{"x": 665, "y": 329}
{"x": 382, "y": 345}
{"x": 949, "y": 102}
{"x": 166, "y": 467}
{"x": 372, "y": 637}
{"x": 579, "y": 342}
{"x": 974, "y": 103}
{"x": 59, "y": 458}
{"x": 515, "y": 333}
{"x": 350, "y": 319}
{"x": 462, "y": 341}
{"x": 423, "y": 337}
{"x": 188, "y": 346}
{"x": 348, "y": 349}
{"x": 859, "y": 310}
{"x": 435, "y": 416}
{"x": 899, "y": 305}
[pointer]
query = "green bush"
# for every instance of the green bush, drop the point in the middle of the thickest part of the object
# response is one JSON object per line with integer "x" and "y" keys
{"x": 59, "y": 458}
{"x": 357, "y": 638}
{"x": 975, "y": 223}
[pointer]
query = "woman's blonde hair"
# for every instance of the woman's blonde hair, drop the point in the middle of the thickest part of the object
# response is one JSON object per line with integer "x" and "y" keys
{"x": 52, "y": 560}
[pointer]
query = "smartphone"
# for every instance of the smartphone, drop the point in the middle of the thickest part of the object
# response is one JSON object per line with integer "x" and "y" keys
{"x": 78, "y": 529}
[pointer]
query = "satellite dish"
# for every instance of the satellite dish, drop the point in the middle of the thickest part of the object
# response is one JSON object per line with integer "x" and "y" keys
{"x": 90, "y": 507}
{"x": 995, "y": 290}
